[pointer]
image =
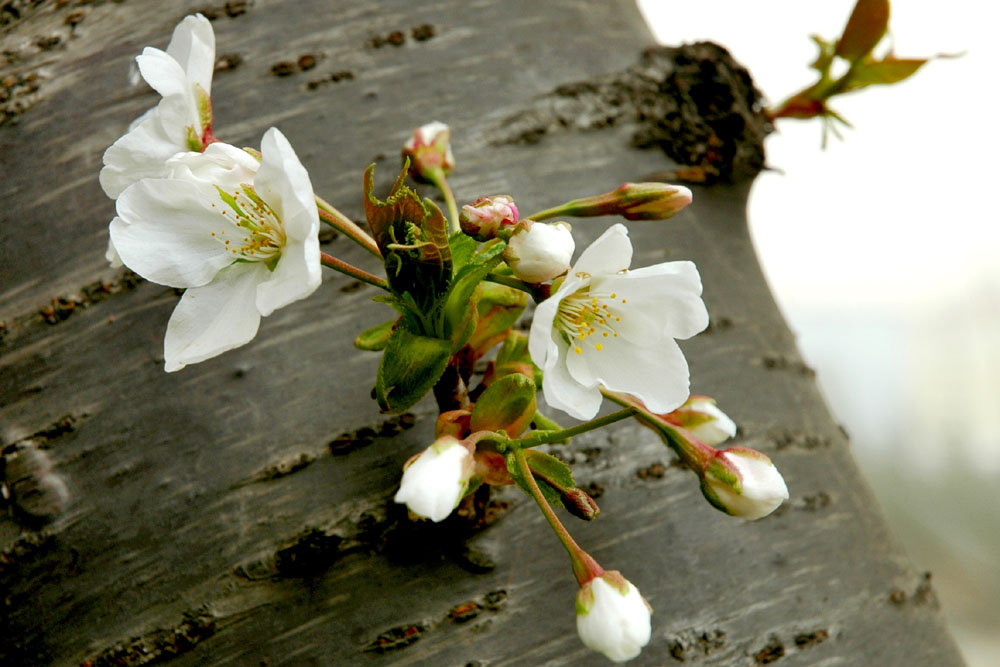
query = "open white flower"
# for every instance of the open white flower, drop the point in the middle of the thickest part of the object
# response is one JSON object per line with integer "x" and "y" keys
{"x": 612, "y": 617}
{"x": 611, "y": 327}
{"x": 435, "y": 481}
{"x": 180, "y": 122}
{"x": 241, "y": 236}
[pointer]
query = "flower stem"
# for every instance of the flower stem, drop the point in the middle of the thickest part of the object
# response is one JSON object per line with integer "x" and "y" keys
{"x": 438, "y": 179}
{"x": 556, "y": 436}
{"x": 339, "y": 221}
{"x": 694, "y": 453}
{"x": 584, "y": 567}
{"x": 538, "y": 292}
{"x": 353, "y": 271}
{"x": 553, "y": 212}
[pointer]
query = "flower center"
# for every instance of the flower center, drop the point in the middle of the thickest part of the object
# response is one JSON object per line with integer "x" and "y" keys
{"x": 259, "y": 236}
{"x": 589, "y": 318}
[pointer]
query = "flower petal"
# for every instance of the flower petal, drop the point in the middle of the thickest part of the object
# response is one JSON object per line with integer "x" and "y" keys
{"x": 610, "y": 253}
{"x": 164, "y": 232}
{"x": 220, "y": 165}
{"x": 296, "y": 276}
{"x": 565, "y": 392}
{"x": 193, "y": 47}
{"x": 657, "y": 375}
{"x": 215, "y": 318}
{"x": 284, "y": 184}
{"x": 667, "y": 293}
{"x": 139, "y": 154}
{"x": 163, "y": 73}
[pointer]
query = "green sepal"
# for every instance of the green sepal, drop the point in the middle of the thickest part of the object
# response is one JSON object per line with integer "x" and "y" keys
{"x": 204, "y": 103}
{"x": 411, "y": 365}
{"x": 375, "y": 338}
{"x": 545, "y": 467}
{"x": 192, "y": 140}
{"x": 508, "y": 404}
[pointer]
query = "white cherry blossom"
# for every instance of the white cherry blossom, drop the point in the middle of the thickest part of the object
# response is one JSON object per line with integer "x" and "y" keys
{"x": 242, "y": 237}
{"x": 181, "y": 121}
{"x": 612, "y": 327}
{"x": 612, "y": 617}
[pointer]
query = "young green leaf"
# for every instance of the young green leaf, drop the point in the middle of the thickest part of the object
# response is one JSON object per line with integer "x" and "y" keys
{"x": 883, "y": 72}
{"x": 411, "y": 365}
{"x": 864, "y": 30}
{"x": 376, "y": 338}
{"x": 552, "y": 475}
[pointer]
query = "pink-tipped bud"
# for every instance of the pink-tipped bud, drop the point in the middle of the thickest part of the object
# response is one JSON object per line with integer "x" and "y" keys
{"x": 537, "y": 251}
{"x": 744, "y": 483}
{"x": 487, "y": 215}
{"x": 632, "y": 201}
{"x": 652, "y": 201}
{"x": 429, "y": 150}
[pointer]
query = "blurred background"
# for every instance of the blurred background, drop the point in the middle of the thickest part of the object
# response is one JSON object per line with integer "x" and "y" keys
{"x": 883, "y": 252}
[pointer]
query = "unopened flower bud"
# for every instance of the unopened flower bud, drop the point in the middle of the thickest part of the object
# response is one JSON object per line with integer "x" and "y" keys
{"x": 743, "y": 482}
{"x": 537, "y": 252}
{"x": 651, "y": 201}
{"x": 579, "y": 503}
{"x": 700, "y": 416}
{"x": 483, "y": 218}
{"x": 632, "y": 201}
{"x": 429, "y": 150}
{"x": 436, "y": 479}
{"x": 612, "y": 617}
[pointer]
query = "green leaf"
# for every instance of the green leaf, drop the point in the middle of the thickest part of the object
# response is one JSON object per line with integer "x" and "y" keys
{"x": 864, "y": 30}
{"x": 458, "y": 302}
{"x": 550, "y": 474}
{"x": 550, "y": 467}
{"x": 883, "y": 72}
{"x": 508, "y": 404}
{"x": 463, "y": 248}
{"x": 411, "y": 365}
{"x": 376, "y": 338}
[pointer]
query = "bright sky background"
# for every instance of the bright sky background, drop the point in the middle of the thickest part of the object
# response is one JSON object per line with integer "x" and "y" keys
{"x": 884, "y": 253}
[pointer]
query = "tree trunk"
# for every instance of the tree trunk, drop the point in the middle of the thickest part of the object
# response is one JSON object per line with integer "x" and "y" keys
{"x": 239, "y": 511}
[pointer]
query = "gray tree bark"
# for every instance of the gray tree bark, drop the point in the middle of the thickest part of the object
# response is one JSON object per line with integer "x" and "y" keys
{"x": 239, "y": 511}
